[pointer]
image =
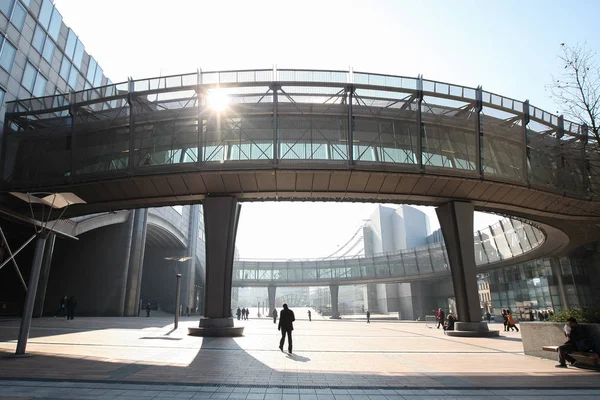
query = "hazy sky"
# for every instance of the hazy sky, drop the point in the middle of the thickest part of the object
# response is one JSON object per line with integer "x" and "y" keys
{"x": 508, "y": 47}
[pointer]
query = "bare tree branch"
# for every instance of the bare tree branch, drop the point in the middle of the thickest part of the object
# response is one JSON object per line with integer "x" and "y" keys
{"x": 577, "y": 89}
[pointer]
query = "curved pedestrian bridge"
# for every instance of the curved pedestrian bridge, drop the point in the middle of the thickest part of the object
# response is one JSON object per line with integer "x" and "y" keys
{"x": 299, "y": 134}
{"x": 496, "y": 246}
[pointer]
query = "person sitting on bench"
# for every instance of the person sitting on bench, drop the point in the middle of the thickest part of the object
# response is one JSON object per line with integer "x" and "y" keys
{"x": 575, "y": 339}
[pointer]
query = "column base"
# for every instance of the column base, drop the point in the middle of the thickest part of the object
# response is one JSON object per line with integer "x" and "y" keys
{"x": 216, "y": 327}
{"x": 472, "y": 329}
{"x": 15, "y": 355}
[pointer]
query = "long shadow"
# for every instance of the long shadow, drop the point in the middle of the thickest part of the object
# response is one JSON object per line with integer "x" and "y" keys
{"x": 222, "y": 361}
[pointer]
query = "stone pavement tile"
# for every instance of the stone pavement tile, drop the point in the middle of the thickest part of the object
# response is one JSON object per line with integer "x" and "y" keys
{"x": 325, "y": 397}
{"x": 290, "y": 396}
{"x": 198, "y": 396}
{"x": 273, "y": 396}
{"x": 255, "y": 396}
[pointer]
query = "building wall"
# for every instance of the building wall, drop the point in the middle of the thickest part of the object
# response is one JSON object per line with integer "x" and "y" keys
{"x": 92, "y": 269}
{"x": 37, "y": 70}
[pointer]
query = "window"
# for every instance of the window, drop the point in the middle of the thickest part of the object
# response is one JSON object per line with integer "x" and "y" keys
{"x": 73, "y": 77}
{"x": 18, "y": 16}
{"x": 7, "y": 55}
{"x": 38, "y": 39}
{"x": 29, "y": 77}
{"x": 55, "y": 21}
{"x": 45, "y": 13}
{"x": 65, "y": 68}
{"x": 91, "y": 70}
{"x": 78, "y": 56}
{"x": 39, "y": 89}
{"x": 71, "y": 42}
{"x": 49, "y": 50}
{"x": 6, "y": 6}
{"x": 33, "y": 81}
{"x": 98, "y": 77}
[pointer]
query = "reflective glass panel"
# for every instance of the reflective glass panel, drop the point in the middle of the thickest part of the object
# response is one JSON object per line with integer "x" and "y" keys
{"x": 29, "y": 77}
{"x": 55, "y": 22}
{"x": 73, "y": 76}
{"x": 39, "y": 89}
{"x": 91, "y": 70}
{"x": 71, "y": 42}
{"x": 7, "y": 56}
{"x": 78, "y": 57}
{"x": 49, "y": 50}
{"x": 6, "y": 6}
{"x": 98, "y": 77}
{"x": 65, "y": 68}
{"x": 45, "y": 13}
{"x": 18, "y": 16}
{"x": 38, "y": 39}
{"x": 2, "y": 93}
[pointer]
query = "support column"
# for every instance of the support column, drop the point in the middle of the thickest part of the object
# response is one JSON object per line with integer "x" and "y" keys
{"x": 557, "y": 272}
{"x": 271, "y": 290}
{"x": 189, "y": 275}
{"x": 38, "y": 308}
{"x": 221, "y": 215}
{"x": 34, "y": 277}
{"x": 334, "y": 290}
{"x": 456, "y": 222}
{"x": 136, "y": 262}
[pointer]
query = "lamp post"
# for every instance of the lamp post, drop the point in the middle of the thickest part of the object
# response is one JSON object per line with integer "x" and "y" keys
{"x": 55, "y": 201}
{"x": 177, "y": 286}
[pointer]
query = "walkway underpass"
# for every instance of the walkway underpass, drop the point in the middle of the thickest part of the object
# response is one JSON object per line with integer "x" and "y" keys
{"x": 311, "y": 135}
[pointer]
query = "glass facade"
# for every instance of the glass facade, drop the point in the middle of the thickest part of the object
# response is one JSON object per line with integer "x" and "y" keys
{"x": 55, "y": 61}
{"x": 545, "y": 284}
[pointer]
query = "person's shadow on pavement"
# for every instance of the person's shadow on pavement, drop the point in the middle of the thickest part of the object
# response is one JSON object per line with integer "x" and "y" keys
{"x": 298, "y": 358}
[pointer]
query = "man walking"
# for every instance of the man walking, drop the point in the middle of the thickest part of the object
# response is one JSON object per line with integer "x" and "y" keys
{"x": 368, "y": 317}
{"x": 441, "y": 316}
{"x": 309, "y": 316}
{"x": 286, "y": 319}
{"x": 274, "y": 316}
{"x": 71, "y": 304}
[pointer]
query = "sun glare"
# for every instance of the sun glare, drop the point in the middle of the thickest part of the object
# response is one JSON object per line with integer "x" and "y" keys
{"x": 217, "y": 100}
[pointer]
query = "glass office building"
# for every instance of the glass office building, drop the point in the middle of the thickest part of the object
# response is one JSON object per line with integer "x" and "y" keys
{"x": 40, "y": 55}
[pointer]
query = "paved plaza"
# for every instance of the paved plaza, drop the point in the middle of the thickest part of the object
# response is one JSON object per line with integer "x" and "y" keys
{"x": 102, "y": 358}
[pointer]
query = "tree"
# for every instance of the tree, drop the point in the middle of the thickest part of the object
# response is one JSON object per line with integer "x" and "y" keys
{"x": 577, "y": 89}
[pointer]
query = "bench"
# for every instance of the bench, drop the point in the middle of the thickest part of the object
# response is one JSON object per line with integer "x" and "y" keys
{"x": 585, "y": 358}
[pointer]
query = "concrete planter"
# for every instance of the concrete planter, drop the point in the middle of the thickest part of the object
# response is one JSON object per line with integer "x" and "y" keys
{"x": 538, "y": 334}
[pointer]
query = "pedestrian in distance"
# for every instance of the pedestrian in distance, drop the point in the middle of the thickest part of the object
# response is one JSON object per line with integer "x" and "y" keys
{"x": 286, "y": 326}
{"x": 238, "y": 313}
{"x": 62, "y": 307}
{"x": 488, "y": 316}
{"x": 71, "y": 305}
{"x": 511, "y": 321}
{"x": 505, "y": 320}
{"x": 274, "y": 316}
{"x": 309, "y": 319}
{"x": 441, "y": 316}
{"x": 368, "y": 317}
{"x": 147, "y": 309}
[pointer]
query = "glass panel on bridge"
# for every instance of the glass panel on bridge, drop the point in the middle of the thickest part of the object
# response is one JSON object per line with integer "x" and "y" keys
{"x": 502, "y": 145}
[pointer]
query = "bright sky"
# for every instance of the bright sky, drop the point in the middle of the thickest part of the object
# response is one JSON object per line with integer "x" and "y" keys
{"x": 508, "y": 47}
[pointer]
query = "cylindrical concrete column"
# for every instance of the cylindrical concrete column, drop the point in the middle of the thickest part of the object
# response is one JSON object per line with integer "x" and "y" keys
{"x": 125, "y": 270}
{"x": 40, "y": 298}
{"x": 334, "y": 289}
{"x": 136, "y": 262}
{"x": 189, "y": 267}
{"x": 221, "y": 215}
{"x": 271, "y": 290}
{"x": 456, "y": 221}
{"x": 557, "y": 272}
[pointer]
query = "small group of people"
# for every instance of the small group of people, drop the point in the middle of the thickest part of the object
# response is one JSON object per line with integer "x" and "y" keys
{"x": 242, "y": 313}
{"x": 509, "y": 321}
{"x": 542, "y": 315}
{"x": 67, "y": 306}
{"x": 445, "y": 321}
